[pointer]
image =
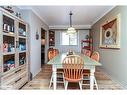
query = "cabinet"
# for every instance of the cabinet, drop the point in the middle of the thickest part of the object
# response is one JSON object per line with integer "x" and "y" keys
{"x": 86, "y": 44}
{"x": 51, "y": 38}
{"x": 13, "y": 51}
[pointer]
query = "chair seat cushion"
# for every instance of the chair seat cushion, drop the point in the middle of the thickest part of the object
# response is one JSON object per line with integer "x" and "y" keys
{"x": 73, "y": 80}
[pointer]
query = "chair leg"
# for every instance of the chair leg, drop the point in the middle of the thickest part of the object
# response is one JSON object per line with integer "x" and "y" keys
{"x": 51, "y": 81}
{"x": 66, "y": 85}
{"x": 80, "y": 85}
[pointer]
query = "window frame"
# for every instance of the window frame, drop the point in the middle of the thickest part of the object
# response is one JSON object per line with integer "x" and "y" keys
{"x": 77, "y": 33}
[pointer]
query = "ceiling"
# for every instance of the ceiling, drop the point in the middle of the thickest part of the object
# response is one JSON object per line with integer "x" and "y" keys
{"x": 59, "y": 15}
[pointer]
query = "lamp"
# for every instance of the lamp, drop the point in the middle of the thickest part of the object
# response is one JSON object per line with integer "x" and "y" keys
{"x": 71, "y": 30}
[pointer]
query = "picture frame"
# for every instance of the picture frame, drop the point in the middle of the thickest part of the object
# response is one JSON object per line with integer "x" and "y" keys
{"x": 110, "y": 33}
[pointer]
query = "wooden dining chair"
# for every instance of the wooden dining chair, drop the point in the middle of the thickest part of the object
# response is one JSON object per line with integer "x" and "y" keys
{"x": 51, "y": 55}
{"x": 95, "y": 56}
{"x": 87, "y": 52}
{"x": 73, "y": 70}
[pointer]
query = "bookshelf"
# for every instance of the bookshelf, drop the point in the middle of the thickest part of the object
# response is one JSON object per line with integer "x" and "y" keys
{"x": 13, "y": 51}
{"x": 51, "y": 38}
{"x": 86, "y": 44}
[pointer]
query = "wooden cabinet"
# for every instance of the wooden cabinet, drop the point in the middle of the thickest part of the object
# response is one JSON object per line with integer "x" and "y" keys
{"x": 13, "y": 51}
{"x": 86, "y": 44}
{"x": 51, "y": 38}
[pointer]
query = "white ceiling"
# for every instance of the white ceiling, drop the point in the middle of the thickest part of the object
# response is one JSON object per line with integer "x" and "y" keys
{"x": 59, "y": 15}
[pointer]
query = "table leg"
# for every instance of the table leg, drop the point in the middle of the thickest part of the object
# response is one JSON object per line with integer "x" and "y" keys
{"x": 54, "y": 77}
{"x": 92, "y": 70}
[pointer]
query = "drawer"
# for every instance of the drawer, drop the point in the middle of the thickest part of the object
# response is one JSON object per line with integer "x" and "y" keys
{"x": 11, "y": 76}
{"x": 18, "y": 79}
{"x": 20, "y": 83}
{"x": 17, "y": 82}
{"x": 20, "y": 70}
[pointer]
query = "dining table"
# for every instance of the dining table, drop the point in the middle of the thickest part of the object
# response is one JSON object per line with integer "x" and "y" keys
{"x": 89, "y": 63}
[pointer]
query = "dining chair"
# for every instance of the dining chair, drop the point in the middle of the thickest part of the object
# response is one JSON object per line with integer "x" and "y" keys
{"x": 73, "y": 70}
{"x": 87, "y": 52}
{"x": 51, "y": 55}
{"x": 95, "y": 56}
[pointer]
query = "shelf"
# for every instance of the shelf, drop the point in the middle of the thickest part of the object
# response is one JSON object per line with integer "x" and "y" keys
{"x": 86, "y": 47}
{"x": 13, "y": 35}
{"x": 22, "y": 51}
{"x": 86, "y": 44}
{"x": 86, "y": 41}
{"x": 8, "y": 53}
{"x": 9, "y": 34}
{"x": 23, "y": 37}
{"x": 11, "y": 15}
{"x": 11, "y": 70}
{"x": 51, "y": 38}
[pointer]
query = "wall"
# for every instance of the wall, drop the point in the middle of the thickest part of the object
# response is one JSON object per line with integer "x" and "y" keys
{"x": 114, "y": 61}
{"x": 35, "y": 24}
{"x": 77, "y": 48}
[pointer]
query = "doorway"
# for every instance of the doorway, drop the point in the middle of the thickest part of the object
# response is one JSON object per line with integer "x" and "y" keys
{"x": 43, "y": 43}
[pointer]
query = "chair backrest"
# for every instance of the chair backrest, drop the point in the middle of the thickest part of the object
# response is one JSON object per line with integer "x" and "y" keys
{"x": 52, "y": 53}
{"x": 73, "y": 67}
{"x": 56, "y": 52}
{"x": 87, "y": 52}
{"x": 95, "y": 55}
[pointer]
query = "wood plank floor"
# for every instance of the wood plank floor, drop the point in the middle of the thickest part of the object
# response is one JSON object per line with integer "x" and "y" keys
{"x": 42, "y": 79}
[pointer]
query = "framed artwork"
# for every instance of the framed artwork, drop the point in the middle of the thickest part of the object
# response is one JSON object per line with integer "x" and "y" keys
{"x": 110, "y": 33}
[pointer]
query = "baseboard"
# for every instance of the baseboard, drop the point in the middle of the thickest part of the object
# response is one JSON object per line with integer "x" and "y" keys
{"x": 37, "y": 72}
{"x": 116, "y": 81}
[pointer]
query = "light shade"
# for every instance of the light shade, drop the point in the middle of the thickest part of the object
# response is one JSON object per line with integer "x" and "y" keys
{"x": 71, "y": 30}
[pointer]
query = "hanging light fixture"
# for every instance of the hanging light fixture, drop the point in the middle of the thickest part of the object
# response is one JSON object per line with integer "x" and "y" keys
{"x": 71, "y": 30}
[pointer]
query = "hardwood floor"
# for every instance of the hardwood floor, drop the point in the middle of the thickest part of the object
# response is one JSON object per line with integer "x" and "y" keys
{"x": 42, "y": 79}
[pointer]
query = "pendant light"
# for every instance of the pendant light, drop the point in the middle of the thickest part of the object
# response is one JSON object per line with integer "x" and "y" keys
{"x": 71, "y": 30}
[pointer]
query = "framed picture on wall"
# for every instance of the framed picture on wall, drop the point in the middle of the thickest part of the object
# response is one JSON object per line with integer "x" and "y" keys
{"x": 110, "y": 33}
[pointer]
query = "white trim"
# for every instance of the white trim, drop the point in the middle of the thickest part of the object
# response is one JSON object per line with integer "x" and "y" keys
{"x": 40, "y": 17}
{"x": 77, "y": 34}
{"x": 98, "y": 18}
{"x": 30, "y": 8}
{"x": 36, "y": 73}
{"x": 66, "y": 26}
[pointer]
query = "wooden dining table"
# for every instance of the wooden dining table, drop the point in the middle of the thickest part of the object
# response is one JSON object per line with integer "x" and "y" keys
{"x": 89, "y": 63}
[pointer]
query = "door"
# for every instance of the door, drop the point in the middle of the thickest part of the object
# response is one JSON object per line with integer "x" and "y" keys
{"x": 43, "y": 36}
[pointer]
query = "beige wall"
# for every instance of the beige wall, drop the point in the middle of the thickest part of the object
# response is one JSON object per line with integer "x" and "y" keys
{"x": 114, "y": 61}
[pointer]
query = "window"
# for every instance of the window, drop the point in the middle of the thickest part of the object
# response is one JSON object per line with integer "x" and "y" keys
{"x": 68, "y": 40}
